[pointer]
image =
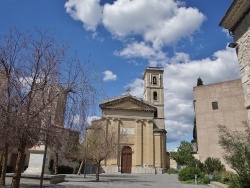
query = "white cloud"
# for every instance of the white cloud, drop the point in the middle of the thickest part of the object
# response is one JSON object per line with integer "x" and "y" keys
{"x": 91, "y": 118}
{"x": 159, "y": 22}
{"x": 87, "y": 11}
{"x": 182, "y": 24}
{"x": 226, "y": 32}
{"x": 180, "y": 76}
{"x": 136, "y": 88}
{"x": 179, "y": 80}
{"x": 109, "y": 76}
{"x": 142, "y": 50}
{"x": 125, "y": 17}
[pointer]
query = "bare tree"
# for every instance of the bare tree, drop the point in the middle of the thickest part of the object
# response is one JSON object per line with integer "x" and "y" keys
{"x": 41, "y": 78}
{"x": 100, "y": 143}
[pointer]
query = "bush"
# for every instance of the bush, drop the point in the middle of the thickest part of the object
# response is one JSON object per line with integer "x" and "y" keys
{"x": 189, "y": 173}
{"x": 200, "y": 165}
{"x": 227, "y": 176}
{"x": 205, "y": 180}
{"x": 217, "y": 176}
{"x": 235, "y": 182}
{"x": 65, "y": 170}
{"x": 9, "y": 169}
{"x": 213, "y": 164}
{"x": 172, "y": 171}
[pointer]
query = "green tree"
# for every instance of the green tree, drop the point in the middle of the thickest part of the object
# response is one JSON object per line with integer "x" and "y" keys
{"x": 199, "y": 82}
{"x": 213, "y": 164}
{"x": 236, "y": 145}
{"x": 194, "y": 131}
{"x": 184, "y": 156}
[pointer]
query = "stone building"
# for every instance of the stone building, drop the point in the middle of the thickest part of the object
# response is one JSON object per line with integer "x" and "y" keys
{"x": 237, "y": 21}
{"x": 33, "y": 157}
{"x": 143, "y": 122}
{"x": 217, "y": 104}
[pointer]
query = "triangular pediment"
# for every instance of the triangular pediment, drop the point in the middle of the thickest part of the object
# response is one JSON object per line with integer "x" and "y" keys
{"x": 127, "y": 102}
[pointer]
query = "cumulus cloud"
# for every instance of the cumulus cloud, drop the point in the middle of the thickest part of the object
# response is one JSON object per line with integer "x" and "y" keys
{"x": 179, "y": 80}
{"x": 109, "y": 76}
{"x": 142, "y": 50}
{"x": 159, "y": 22}
{"x": 87, "y": 11}
{"x": 125, "y": 17}
{"x": 180, "y": 76}
{"x": 136, "y": 87}
{"x": 91, "y": 118}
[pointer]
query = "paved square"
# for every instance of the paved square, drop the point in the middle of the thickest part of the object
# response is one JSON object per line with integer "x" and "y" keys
{"x": 117, "y": 180}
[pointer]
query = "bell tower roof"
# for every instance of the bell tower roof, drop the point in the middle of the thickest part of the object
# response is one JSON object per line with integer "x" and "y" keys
{"x": 152, "y": 69}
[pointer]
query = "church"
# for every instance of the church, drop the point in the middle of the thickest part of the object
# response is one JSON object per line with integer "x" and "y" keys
{"x": 143, "y": 121}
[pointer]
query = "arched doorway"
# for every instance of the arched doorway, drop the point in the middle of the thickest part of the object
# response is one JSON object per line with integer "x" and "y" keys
{"x": 126, "y": 163}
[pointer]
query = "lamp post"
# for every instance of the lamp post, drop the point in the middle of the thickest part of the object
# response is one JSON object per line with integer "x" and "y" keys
{"x": 45, "y": 151}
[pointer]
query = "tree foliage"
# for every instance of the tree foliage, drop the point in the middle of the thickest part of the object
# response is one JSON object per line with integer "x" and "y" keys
{"x": 184, "y": 156}
{"x": 213, "y": 164}
{"x": 236, "y": 147}
{"x": 199, "y": 82}
{"x": 194, "y": 131}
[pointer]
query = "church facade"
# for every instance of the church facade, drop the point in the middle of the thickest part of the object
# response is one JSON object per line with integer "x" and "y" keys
{"x": 142, "y": 120}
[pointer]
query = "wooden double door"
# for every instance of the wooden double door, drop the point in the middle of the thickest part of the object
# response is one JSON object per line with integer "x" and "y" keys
{"x": 126, "y": 159}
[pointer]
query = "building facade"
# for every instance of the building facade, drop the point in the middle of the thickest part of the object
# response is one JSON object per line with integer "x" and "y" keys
{"x": 217, "y": 104}
{"x": 143, "y": 121}
{"x": 237, "y": 21}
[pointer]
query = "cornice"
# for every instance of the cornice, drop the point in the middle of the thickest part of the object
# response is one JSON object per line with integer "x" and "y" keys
{"x": 145, "y": 105}
{"x": 235, "y": 13}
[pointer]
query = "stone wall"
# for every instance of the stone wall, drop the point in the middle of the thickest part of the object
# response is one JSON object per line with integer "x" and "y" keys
{"x": 242, "y": 38}
{"x": 231, "y": 113}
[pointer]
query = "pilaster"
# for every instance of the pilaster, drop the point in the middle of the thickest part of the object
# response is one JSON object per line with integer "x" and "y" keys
{"x": 139, "y": 143}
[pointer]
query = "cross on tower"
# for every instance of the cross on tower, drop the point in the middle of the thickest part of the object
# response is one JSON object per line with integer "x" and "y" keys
{"x": 128, "y": 91}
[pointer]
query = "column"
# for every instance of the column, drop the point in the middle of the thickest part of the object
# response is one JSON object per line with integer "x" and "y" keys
{"x": 150, "y": 144}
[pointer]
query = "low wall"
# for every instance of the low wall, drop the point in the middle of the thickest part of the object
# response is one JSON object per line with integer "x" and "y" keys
{"x": 48, "y": 179}
{"x": 215, "y": 184}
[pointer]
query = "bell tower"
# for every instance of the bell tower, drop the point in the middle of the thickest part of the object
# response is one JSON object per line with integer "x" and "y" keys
{"x": 154, "y": 93}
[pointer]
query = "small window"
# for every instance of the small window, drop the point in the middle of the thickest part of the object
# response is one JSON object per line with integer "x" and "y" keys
{"x": 154, "y": 80}
{"x": 214, "y": 105}
{"x": 156, "y": 114}
{"x": 155, "y": 95}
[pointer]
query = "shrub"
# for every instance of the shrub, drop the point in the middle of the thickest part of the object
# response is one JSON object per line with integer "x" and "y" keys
{"x": 227, "y": 176}
{"x": 200, "y": 165}
{"x": 188, "y": 173}
{"x": 235, "y": 182}
{"x": 213, "y": 164}
{"x": 172, "y": 171}
{"x": 205, "y": 180}
{"x": 9, "y": 169}
{"x": 65, "y": 170}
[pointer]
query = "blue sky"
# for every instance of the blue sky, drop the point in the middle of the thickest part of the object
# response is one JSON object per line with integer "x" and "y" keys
{"x": 123, "y": 37}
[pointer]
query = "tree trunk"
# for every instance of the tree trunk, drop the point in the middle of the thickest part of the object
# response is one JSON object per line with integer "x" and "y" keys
{"x": 80, "y": 168}
{"x": 4, "y": 163}
{"x": 97, "y": 171}
{"x": 56, "y": 164}
{"x": 19, "y": 165}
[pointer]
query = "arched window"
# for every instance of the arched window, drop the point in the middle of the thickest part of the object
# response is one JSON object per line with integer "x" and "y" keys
{"x": 156, "y": 113}
{"x": 154, "y": 80}
{"x": 155, "y": 95}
